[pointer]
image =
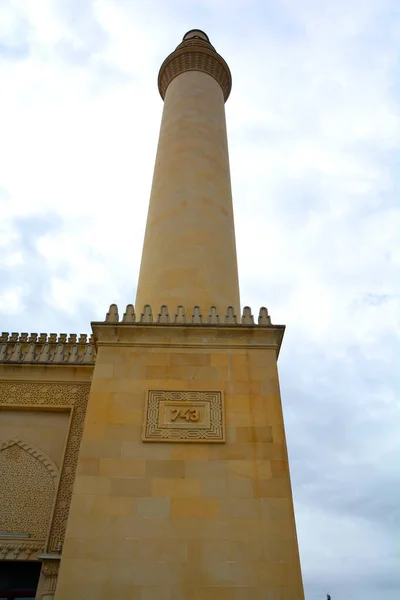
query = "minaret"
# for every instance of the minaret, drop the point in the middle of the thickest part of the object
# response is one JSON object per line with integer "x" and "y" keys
{"x": 182, "y": 486}
{"x": 189, "y": 251}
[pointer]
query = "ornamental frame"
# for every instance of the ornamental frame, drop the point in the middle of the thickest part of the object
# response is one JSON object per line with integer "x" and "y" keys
{"x": 155, "y": 430}
{"x": 65, "y": 396}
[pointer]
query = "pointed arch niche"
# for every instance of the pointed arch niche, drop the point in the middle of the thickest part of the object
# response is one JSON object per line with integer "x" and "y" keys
{"x": 38, "y": 454}
{"x": 29, "y": 481}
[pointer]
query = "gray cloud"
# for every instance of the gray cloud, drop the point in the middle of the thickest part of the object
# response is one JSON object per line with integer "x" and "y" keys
{"x": 313, "y": 126}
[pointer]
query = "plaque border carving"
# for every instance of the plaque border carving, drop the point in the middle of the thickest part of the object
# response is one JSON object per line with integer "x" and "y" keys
{"x": 153, "y": 432}
{"x": 67, "y": 396}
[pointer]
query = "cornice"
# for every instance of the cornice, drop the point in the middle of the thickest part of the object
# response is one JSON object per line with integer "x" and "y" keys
{"x": 175, "y": 329}
{"x": 195, "y": 55}
{"x": 49, "y": 349}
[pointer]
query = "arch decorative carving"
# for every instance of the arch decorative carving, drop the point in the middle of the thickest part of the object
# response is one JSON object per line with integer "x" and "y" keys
{"x": 35, "y": 452}
{"x": 28, "y": 486}
{"x": 72, "y": 397}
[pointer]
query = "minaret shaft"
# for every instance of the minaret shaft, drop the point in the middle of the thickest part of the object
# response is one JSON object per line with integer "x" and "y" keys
{"x": 189, "y": 252}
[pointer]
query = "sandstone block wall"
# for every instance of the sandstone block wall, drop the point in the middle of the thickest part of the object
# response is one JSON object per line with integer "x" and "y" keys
{"x": 173, "y": 521}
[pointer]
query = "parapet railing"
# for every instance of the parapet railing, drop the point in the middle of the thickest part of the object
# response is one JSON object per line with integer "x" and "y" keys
{"x": 62, "y": 348}
{"x": 44, "y": 348}
{"x": 179, "y": 316}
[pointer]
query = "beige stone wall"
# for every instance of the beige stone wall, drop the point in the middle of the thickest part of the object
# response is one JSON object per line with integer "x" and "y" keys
{"x": 42, "y": 409}
{"x": 32, "y": 445}
{"x": 46, "y": 430}
{"x": 189, "y": 252}
{"x": 173, "y": 521}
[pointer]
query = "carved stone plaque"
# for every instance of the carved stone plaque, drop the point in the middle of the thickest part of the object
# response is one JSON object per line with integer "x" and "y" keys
{"x": 173, "y": 416}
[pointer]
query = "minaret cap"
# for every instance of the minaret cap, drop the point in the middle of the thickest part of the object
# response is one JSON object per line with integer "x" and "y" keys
{"x": 196, "y": 33}
{"x": 195, "y": 53}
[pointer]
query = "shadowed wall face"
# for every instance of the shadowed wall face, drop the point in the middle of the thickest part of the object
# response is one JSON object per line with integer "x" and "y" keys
{"x": 189, "y": 252}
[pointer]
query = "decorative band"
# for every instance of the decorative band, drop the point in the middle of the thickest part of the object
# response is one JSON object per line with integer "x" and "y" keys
{"x": 195, "y": 58}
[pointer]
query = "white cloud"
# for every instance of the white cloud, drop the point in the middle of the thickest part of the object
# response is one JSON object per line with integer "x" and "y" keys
{"x": 11, "y": 300}
{"x": 13, "y": 259}
{"x": 313, "y": 123}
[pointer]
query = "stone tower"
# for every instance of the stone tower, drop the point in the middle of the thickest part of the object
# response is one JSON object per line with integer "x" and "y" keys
{"x": 189, "y": 251}
{"x": 182, "y": 489}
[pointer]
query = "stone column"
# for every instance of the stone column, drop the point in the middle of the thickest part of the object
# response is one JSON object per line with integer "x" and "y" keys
{"x": 48, "y": 577}
{"x": 189, "y": 252}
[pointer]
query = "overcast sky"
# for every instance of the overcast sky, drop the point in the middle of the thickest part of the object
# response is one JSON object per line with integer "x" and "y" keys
{"x": 313, "y": 126}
